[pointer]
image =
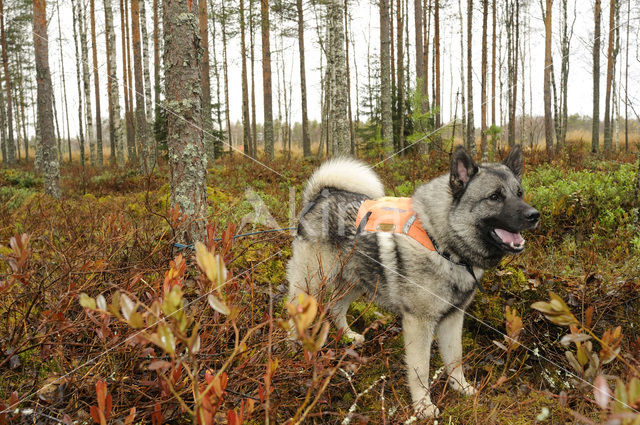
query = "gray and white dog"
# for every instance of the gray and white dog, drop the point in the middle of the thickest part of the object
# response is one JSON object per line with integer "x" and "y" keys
{"x": 473, "y": 216}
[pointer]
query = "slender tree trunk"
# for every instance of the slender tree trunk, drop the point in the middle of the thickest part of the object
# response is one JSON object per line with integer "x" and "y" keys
{"x": 141, "y": 119}
{"x": 216, "y": 72}
{"x": 400, "y": 57}
{"x": 352, "y": 134}
{"x": 76, "y": 20}
{"x": 337, "y": 67}
{"x": 126, "y": 49}
{"x": 595, "y": 131}
{"x": 57, "y": 128}
{"x": 436, "y": 62}
{"x": 183, "y": 81}
{"x": 126, "y": 85}
{"x": 610, "y": 75}
{"x": 11, "y": 147}
{"x": 225, "y": 65}
{"x": 306, "y": 141}
{"x": 113, "y": 91}
{"x": 254, "y": 124}
{"x": 156, "y": 71}
{"x": 471, "y": 142}
{"x": 20, "y": 121}
{"x": 96, "y": 84}
{"x": 150, "y": 140}
{"x": 246, "y": 118}
{"x": 266, "y": 80}
{"x": 493, "y": 65}
{"x": 483, "y": 84}
{"x": 86, "y": 81}
{"x": 462, "y": 77}
{"x": 548, "y": 124}
{"x": 626, "y": 84}
{"x": 207, "y": 121}
{"x": 420, "y": 76}
{"x": 64, "y": 81}
{"x": 3, "y": 128}
{"x": 45, "y": 89}
{"x": 385, "y": 75}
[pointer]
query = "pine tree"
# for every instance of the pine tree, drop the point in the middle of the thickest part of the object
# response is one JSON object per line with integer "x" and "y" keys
{"x": 266, "y": 80}
{"x": 207, "y": 122}
{"x": 187, "y": 161}
{"x": 10, "y": 143}
{"x": 385, "y": 75}
{"x": 595, "y": 129}
{"x": 306, "y": 141}
{"x": 45, "y": 92}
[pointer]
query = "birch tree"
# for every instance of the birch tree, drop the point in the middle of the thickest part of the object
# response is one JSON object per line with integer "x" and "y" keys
{"x": 548, "y": 124}
{"x": 610, "y": 75}
{"x": 86, "y": 82}
{"x": 141, "y": 120}
{"x": 595, "y": 128}
{"x": 203, "y": 25}
{"x": 96, "y": 83}
{"x": 113, "y": 91}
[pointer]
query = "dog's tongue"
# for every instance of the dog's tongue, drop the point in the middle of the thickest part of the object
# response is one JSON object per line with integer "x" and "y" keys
{"x": 509, "y": 238}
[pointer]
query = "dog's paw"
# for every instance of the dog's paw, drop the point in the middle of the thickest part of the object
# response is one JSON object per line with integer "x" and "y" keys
{"x": 357, "y": 338}
{"x": 463, "y": 388}
{"x": 426, "y": 409}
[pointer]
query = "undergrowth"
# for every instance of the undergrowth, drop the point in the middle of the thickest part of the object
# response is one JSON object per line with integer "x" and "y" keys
{"x": 102, "y": 318}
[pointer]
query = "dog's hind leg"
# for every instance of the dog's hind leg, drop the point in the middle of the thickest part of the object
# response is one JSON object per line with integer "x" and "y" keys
{"x": 449, "y": 333}
{"x": 339, "y": 313}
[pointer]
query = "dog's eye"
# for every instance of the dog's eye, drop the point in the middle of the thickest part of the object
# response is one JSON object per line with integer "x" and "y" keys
{"x": 519, "y": 193}
{"x": 494, "y": 197}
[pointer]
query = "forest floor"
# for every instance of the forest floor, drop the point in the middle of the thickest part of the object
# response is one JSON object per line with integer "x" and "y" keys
{"x": 112, "y": 234}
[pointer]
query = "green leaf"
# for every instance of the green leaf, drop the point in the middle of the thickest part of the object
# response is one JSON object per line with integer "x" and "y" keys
{"x": 87, "y": 302}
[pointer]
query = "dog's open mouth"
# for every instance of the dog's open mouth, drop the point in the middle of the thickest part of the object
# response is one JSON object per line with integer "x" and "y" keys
{"x": 513, "y": 242}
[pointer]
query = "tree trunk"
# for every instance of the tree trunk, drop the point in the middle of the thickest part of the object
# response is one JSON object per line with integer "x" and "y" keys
{"x": 595, "y": 130}
{"x": 126, "y": 49}
{"x": 385, "y": 75}
{"x": 471, "y": 137}
{"x": 400, "y": 66}
{"x": 64, "y": 81}
{"x": 225, "y": 65}
{"x": 610, "y": 60}
{"x": 493, "y": 65}
{"x": 156, "y": 71}
{"x": 420, "y": 80}
{"x": 76, "y": 19}
{"x": 338, "y": 110}
{"x": 436, "y": 62}
{"x": 151, "y": 141}
{"x": 45, "y": 114}
{"x": 96, "y": 84}
{"x": 246, "y": 118}
{"x": 3, "y": 128}
{"x": 113, "y": 91}
{"x": 306, "y": 141}
{"x": 266, "y": 80}
{"x": 187, "y": 161}
{"x": 141, "y": 120}
{"x": 216, "y": 72}
{"x": 626, "y": 84}
{"x": 548, "y": 123}
{"x": 86, "y": 81}
{"x": 207, "y": 121}
{"x": 483, "y": 84}
{"x": 11, "y": 147}
{"x": 463, "y": 100}
{"x": 352, "y": 135}
{"x": 254, "y": 125}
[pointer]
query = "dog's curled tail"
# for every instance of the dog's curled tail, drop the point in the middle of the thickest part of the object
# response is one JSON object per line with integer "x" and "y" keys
{"x": 346, "y": 174}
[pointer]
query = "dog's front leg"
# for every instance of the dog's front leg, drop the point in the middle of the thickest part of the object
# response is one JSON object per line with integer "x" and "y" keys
{"x": 449, "y": 333}
{"x": 418, "y": 334}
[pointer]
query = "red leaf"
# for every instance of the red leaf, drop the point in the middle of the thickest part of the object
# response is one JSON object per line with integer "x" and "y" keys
{"x": 95, "y": 414}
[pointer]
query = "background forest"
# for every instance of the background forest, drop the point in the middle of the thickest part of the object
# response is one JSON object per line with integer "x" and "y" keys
{"x": 147, "y": 145}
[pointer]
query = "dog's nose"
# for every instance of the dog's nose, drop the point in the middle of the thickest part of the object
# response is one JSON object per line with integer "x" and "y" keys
{"x": 532, "y": 215}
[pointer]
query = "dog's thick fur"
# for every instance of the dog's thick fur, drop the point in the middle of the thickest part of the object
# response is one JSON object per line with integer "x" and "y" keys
{"x": 474, "y": 214}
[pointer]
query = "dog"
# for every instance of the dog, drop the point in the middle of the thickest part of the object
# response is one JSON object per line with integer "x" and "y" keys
{"x": 466, "y": 221}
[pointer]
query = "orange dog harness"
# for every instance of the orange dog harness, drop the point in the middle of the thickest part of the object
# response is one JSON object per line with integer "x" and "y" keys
{"x": 392, "y": 215}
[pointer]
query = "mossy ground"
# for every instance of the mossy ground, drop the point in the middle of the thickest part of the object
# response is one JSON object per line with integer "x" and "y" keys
{"x": 111, "y": 230}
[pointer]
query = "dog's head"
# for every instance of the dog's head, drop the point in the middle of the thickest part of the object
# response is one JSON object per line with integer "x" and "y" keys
{"x": 488, "y": 207}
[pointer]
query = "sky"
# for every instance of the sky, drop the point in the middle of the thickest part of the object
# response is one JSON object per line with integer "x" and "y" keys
{"x": 364, "y": 35}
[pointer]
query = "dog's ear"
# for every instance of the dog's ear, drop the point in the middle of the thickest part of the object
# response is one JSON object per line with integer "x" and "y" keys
{"x": 514, "y": 161}
{"x": 462, "y": 170}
